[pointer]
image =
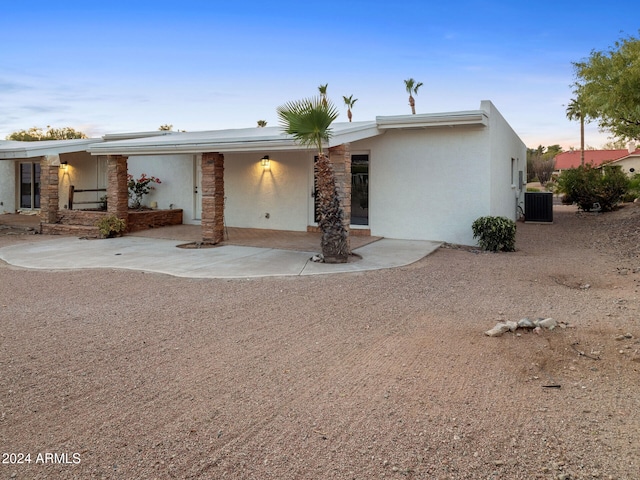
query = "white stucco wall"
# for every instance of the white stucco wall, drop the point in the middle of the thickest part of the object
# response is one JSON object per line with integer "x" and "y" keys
{"x": 7, "y": 186}
{"x": 628, "y": 163}
{"x": 83, "y": 173}
{"x": 505, "y": 145}
{"x": 428, "y": 184}
{"x": 282, "y": 193}
{"x": 177, "y": 174}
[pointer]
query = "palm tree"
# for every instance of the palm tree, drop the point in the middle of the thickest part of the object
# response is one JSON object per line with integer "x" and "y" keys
{"x": 323, "y": 93}
{"x": 309, "y": 122}
{"x": 412, "y": 89}
{"x": 349, "y": 102}
{"x": 574, "y": 112}
{"x": 262, "y": 123}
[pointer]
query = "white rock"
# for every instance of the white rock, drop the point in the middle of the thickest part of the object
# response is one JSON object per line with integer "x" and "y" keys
{"x": 513, "y": 326}
{"x": 548, "y": 323}
{"x": 526, "y": 323}
{"x": 498, "y": 330}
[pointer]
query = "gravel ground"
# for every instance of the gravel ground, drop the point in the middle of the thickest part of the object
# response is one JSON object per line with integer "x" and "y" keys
{"x": 384, "y": 374}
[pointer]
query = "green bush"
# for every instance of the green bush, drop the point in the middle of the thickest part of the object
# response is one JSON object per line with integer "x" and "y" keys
{"x": 634, "y": 189}
{"x": 495, "y": 233}
{"x": 587, "y": 186}
{"x": 111, "y": 226}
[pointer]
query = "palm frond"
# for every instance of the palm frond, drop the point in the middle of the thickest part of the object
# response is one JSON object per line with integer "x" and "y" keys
{"x": 308, "y": 120}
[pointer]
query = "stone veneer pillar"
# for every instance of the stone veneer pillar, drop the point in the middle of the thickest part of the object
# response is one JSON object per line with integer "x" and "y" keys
{"x": 117, "y": 190}
{"x": 340, "y": 158}
{"x": 49, "y": 196}
{"x": 212, "y": 197}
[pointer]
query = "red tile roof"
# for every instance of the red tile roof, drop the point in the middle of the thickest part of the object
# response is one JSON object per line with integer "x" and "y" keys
{"x": 571, "y": 159}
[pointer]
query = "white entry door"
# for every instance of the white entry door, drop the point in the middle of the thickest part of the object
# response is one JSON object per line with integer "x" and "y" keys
{"x": 197, "y": 187}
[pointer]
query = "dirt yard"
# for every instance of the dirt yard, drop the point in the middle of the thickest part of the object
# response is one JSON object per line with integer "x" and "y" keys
{"x": 385, "y": 374}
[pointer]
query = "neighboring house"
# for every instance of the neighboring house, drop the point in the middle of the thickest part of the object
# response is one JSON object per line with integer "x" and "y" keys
{"x": 595, "y": 158}
{"x": 630, "y": 163}
{"x": 418, "y": 177}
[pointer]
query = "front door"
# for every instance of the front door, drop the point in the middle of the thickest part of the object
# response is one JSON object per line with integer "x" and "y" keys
{"x": 30, "y": 185}
{"x": 359, "y": 191}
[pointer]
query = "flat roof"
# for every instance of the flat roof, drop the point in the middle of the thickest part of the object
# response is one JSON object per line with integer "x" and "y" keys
{"x": 12, "y": 150}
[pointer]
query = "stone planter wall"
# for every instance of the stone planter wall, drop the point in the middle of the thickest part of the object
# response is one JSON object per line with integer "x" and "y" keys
{"x": 145, "y": 219}
{"x": 82, "y": 222}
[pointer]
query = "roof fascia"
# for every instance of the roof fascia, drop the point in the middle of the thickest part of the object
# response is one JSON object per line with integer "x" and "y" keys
{"x": 38, "y": 149}
{"x": 433, "y": 120}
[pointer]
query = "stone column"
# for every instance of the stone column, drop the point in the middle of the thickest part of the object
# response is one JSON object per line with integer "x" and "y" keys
{"x": 212, "y": 197}
{"x": 117, "y": 190}
{"x": 49, "y": 196}
{"x": 340, "y": 158}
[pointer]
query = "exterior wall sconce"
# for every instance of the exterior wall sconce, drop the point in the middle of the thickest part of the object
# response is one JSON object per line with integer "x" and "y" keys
{"x": 265, "y": 162}
{"x": 64, "y": 165}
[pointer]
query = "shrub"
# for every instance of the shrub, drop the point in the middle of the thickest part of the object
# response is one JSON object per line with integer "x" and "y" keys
{"x": 111, "y": 226}
{"x": 587, "y": 186}
{"x": 633, "y": 191}
{"x": 495, "y": 233}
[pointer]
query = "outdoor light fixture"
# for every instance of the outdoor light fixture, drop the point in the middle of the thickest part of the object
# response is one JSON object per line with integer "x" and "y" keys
{"x": 265, "y": 162}
{"x": 63, "y": 165}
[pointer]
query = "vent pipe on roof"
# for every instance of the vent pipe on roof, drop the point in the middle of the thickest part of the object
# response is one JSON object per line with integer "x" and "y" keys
{"x": 632, "y": 147}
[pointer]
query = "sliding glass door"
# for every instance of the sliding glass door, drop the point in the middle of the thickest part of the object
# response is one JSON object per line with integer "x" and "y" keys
{"x": 30, "y": 185}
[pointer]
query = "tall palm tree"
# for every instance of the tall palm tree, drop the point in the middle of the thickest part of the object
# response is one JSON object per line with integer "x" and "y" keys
{"x": 323, "y": 93}
{"x": 349, "y": 102}
{"x": 309, "y": 122}
{"x": 412, "y": 89}
{"x": 262, "y": 123}
{"x": 574, "y": 112}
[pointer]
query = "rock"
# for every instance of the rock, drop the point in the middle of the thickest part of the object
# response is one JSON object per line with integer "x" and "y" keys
{"x": 526, "y": 323}
{"x": 513, "y": 326}
{"x": 548, "y": 323}
{"x": 498, "y": 330}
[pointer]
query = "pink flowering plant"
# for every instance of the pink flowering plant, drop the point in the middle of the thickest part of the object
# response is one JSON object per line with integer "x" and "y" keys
{"x": 140, "y": 187}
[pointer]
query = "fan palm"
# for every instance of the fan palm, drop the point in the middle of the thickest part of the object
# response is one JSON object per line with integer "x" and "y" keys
{"x": 574, "y": 112}
{"x": 323, "y": 93}
{"x": 262, "y": 123}
{"x": 349, "y": 102}
{"x": 309, "y": 122}
{"x": 412, "y": 89}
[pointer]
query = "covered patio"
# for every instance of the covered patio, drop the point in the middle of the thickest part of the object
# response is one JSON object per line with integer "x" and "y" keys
{"x": 247, "y": 237}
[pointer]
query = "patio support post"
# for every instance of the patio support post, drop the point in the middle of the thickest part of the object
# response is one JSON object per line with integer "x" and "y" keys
{"x": 49, "y": 196}
{"x": 212, "y": 197}
{"x": 340, "y": 158}
{"x": 117, "y": 190}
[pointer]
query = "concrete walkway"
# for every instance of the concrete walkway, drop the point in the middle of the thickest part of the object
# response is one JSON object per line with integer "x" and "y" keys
{"x": 227, "y": 261}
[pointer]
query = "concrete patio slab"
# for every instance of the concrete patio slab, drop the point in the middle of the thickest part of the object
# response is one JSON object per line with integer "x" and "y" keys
{"x": 227, "y": 261}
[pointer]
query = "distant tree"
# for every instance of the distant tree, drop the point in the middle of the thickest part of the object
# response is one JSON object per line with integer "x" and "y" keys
{"x": 608, "y": 84}
{"x": 615, "y": 144}
{"x": 349, "y": 102}
{"x": 309, "y": 122}
{"x": 575, "y": 112}
{"x": 541, "y": 163}
{"x": 412, "y": 89}
{"x": 166, "y": 127}
{"x": 262, "y": 123}
{"x": 323, "y": 93}
{"x": 36, "y": 134}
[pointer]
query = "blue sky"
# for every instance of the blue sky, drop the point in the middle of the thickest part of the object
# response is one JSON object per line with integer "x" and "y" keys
{"x": 122, "y": 66}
